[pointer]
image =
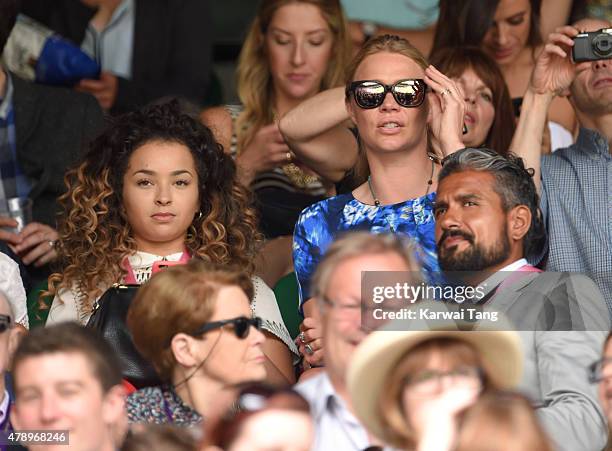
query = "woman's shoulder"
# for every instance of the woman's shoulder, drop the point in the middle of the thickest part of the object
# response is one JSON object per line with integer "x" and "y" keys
{"x": 145, "y": 404}
{"x": 147, "y": 395}
{"x": 318, "y": 224}
{"x": 67, "y": 306}
{"x": 160, "y": 405}
{"x": 265, "y": 305}
{"x": 12, "y": 286}
{"x": 64, "y": 307}
{"x": 326, "y": 207}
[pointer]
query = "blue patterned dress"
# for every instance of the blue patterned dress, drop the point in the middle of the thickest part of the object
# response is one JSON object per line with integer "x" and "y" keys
{"x": 320, "y": 223}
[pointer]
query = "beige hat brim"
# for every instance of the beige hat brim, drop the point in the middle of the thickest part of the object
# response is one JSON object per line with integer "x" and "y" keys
{"x": 378, "y": 354}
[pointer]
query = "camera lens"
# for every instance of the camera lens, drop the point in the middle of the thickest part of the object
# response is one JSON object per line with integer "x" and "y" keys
{"x": 602, "y": 45}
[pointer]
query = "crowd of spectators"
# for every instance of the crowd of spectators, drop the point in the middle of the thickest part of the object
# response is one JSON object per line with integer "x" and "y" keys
{"x": 400, "y": 238}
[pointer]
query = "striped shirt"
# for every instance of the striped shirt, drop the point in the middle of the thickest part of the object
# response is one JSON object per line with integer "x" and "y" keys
{"x": 576, "y": 201}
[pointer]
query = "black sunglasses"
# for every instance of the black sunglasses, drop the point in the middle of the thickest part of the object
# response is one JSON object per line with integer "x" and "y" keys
{"x": 241, "y": 326}
{"x": 5, "y": 323}
{"x": 368, "y": 94}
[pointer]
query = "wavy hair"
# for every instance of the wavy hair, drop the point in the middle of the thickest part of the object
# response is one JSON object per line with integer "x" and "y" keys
{"x": 95, "y": 236}
{"x": 253, "y": 73}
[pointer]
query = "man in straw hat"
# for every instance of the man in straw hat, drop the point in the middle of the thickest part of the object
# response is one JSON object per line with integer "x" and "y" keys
{"x": 487, "y": 222}
{"x": 337, "y": 290}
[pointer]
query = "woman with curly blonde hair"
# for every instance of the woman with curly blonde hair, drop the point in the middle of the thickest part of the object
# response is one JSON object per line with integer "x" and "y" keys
{"x": 156, "y": 187}
{"x": 283, "y": 62}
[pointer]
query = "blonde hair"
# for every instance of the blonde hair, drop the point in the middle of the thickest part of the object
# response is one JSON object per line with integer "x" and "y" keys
{"x": 254, "y": 79}
{"x": 389, "y": 44}
{"x": 501, "y": 421}
{"x": 385, "y": 43}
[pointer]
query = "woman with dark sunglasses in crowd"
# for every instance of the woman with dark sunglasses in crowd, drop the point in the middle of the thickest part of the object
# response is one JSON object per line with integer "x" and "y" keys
{"x": 399, "y": 127}
{"x": 194, "y": 323}
{"x": 263, "y": 418}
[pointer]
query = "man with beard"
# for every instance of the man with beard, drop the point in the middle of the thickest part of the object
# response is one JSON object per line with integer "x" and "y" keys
{"x": 487, "y": 220}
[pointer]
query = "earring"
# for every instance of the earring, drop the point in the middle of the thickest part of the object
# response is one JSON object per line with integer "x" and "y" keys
{"x": 199, "y": 215}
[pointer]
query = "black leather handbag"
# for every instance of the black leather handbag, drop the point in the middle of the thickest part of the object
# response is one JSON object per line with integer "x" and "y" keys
{"x": 108, "y": 318}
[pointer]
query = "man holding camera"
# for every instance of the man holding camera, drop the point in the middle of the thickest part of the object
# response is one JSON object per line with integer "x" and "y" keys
{"x": 574, "y": 182}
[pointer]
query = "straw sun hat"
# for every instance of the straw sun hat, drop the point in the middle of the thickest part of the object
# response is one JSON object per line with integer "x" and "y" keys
{"x": 375, "y": 358}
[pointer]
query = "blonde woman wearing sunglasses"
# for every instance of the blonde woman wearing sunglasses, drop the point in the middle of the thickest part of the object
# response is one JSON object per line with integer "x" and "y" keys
{"x": 403, "y": 132}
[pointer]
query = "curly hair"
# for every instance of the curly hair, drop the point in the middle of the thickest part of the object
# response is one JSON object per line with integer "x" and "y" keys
{"x": 95, "y": 236}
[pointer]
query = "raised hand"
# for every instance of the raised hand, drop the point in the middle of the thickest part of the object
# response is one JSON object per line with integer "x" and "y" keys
{"x": 437, "y": 418}
{"x": 447, "y": 109}
{"x": 554, "y": 70}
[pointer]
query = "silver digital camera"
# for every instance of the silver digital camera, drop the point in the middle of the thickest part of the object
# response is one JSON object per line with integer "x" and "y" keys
{"x": 596, "y": 45}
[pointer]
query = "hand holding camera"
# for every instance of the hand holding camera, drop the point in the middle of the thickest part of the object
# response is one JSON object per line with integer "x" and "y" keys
{"x": 554, "y": 70}
{"x": 593, "y": 46}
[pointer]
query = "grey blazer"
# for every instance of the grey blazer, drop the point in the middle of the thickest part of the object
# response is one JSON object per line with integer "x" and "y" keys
{"x": 563, "y": 321}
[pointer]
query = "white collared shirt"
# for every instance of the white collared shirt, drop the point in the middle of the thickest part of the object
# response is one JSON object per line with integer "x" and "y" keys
{"x": 336, "y": 428}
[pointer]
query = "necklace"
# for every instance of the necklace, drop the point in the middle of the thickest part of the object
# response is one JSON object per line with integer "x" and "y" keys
{"x": 429, "y": 183}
